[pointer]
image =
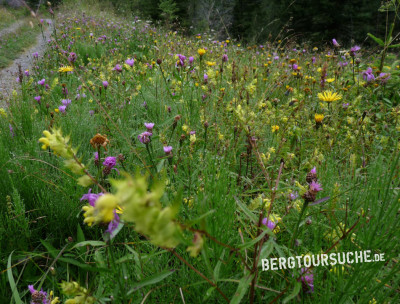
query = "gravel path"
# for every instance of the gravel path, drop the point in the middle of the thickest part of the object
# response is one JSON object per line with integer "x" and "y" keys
{"x": 12, "y": 28}
{"x": 9, "y": 74}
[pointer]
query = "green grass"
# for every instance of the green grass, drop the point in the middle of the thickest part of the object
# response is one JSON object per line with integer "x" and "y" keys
{"x": 13, "y": 44}
{"x": 221, "y": 180}
{"x": 10, "y": 15}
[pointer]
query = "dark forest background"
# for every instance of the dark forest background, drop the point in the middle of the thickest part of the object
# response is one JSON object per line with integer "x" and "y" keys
{"x": 256, "y": 21}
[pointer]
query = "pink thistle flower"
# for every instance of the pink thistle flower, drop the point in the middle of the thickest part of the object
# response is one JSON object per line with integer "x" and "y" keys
{"x": 315, "y": 187}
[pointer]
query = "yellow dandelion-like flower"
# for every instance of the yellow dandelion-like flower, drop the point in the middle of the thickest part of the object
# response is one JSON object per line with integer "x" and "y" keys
{"x": 211, "y": 63}
{"x": 329, "y": 96}
{"x": 201, "y": 52}
{"x": 275, "y": 128}
{"x": 329, "y": 80}
{"x": 65, "y": 69}
{"x": 318, "y": 118}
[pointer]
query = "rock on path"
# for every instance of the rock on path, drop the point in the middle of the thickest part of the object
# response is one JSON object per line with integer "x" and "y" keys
{"x": 8, "y": 75}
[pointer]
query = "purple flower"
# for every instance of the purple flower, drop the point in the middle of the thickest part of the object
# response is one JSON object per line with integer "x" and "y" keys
{"x": 191, "y": 59}
{"x": 38, "y": 297}
{"x": 149, "y": 126}
{"x": 66, "y": 102}
{"x": 181, "y": 60}
{"x": 313, "y": 170}
{"x": 313, "y": 59}
{"x": 11, "y": 130}
{"x": 276, "y": 58}
{"x": 205, "y": 77}
{"x": 307, "y": 280}
{"x": 192, "y": 132}
{"x": 91, "y": 197}
{"x": 368, "y": 75}
{"x": 72, "y": 57}
{"x": 105, "y": 84}
{"x": 35, "y": 55}
{"x": 335, "y": 43}
{"x": 167, "y": 150}
{"x": 130, "y": 61}
{"x": 26, "y": 72}
{"x": 354, "y": 50}
{"x": 225, "y": 58}
{"x": 293, "y": 196}
{"x": 110, "y": 162}
{"x": 345, "y": 105}
{"x": 91, "y": 112}
{"x": 270, "y": 224}
{"x": 144, "y": 137}
{"x": 37, "y": 98}
{"x": 113, "y": 225}
{"x": 41, "y": 82}
{"x": 118, "y": 68}
{"x": 384, "y": 77}
{"x": 295, "y": 66}
{"x": 62, "y": 109}
{"x": 315, "y": 187}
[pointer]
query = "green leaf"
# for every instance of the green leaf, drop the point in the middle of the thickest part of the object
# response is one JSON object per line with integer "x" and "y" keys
{"x": 90, "y": 243}
{"x": 265, "y": 251}
{"x": 376, "y": 39}
{"x": 394, "y": 46}
{"x": 294, "y": 293}
{"x": 257, "y": 239}
{"x": 53, "y": 252}
{"x": 198, "y": 219}
{"x": 13, "y": 286}
{"x": 218, "y": 266}
{"x": 151, "y": 280}
{"x": 208, "y": 293}
{"x": 246, "y": 211}
{"x": 82, "y": 265}
{"x": 241, "y": 290}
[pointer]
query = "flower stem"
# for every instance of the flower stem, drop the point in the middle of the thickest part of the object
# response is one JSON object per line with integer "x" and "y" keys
{"x": 303, "y": 209}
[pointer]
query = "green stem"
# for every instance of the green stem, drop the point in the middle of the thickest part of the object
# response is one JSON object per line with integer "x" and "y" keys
{"x": 303, "y": 209}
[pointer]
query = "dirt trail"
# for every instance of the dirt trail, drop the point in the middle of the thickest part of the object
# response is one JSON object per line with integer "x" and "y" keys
{"x": 8, "y": 75}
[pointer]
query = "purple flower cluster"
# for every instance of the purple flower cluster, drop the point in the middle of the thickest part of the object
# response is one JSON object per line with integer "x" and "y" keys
{"x": 38, "y": 297}
{"x": 72, "y": 57}
{"x": 144, "y": 137}
{"x": 368, "y": 75}
{"x": 181, "y": 60}
{"x": 270, "y": 224}
{"x": 64, "y": 106}
{"x": 307, "y": 280}
{"x": 130, "y": 61}
{"x": 91, "y": 197}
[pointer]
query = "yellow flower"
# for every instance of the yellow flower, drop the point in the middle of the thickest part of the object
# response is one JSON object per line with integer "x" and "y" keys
{"x": 3, "y": 112}
{"x": 201, "y": 52}
{"x": 318, "y": 118}
{"x": 211, "y": 63}
{"x": 328, "y": 96}
{"x": 329, "y": 80}
{"x": 274, "y": 128}
{"x": 65, "y": 69}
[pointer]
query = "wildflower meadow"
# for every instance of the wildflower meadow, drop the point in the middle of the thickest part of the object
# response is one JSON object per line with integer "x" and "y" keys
{"x": 142, "y": 165}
